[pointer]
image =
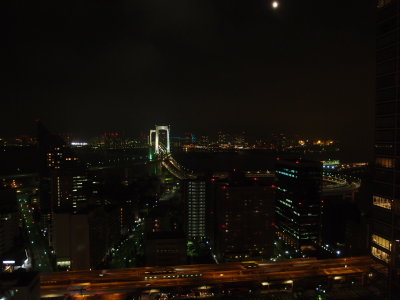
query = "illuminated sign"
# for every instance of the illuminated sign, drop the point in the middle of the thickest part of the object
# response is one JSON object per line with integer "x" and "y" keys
{"x": 8, "y": 262}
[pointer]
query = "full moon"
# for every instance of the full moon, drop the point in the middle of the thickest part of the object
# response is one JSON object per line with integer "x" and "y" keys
{"x": 275, "y": 4}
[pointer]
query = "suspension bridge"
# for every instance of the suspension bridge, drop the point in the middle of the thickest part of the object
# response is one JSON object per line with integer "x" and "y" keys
{"x": 160, "y": 151}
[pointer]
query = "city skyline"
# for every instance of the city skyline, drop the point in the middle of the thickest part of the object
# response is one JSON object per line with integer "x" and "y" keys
{"x": 232, "y": 65}
{"x": 144, "y": 132}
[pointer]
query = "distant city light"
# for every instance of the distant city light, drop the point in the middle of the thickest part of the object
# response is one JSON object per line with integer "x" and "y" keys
{"x": 79, "y": 144}
{"x": 275, "y": 4}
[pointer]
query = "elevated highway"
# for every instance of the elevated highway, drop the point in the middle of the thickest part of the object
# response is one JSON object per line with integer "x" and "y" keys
{"x": 126, "y": 280}
{"x": 335, "y": 186}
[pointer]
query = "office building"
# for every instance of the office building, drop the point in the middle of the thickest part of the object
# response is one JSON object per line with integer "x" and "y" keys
{"x": 82, "y": 240}
{"x": 204, "y": 141}
{"x": 242, "y": 218}
{"x": 165, "y": 249}
{"x": 385, "y": 230}
{"x": 68, "y": 190}
{"x": 223, "y": 139}
{"x": 239, "y": 140}
{"x": 194, "y": 194}
{"x": 164, "y": 238}
{"x": 9, "y": 221}
{"x": 62, "y": 178}
{"x": 298, "y": 203}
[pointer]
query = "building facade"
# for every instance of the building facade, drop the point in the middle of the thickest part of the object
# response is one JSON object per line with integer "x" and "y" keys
{"x": 298, "y": 203}
{"x": 242, "y": 216}
{"x": 82, "y": 240}
{"x": 384, "y": 234}
{"x": 9, "y": 222}
{"x": 194, "y": 192}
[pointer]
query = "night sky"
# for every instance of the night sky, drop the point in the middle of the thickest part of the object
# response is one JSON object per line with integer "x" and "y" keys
{"x": 200, "y": 65}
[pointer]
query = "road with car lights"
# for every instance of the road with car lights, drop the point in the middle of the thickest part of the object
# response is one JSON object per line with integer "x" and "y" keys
{"x": 125, "y": 280}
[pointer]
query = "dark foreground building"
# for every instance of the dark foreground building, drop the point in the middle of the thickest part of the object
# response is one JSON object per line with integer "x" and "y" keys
{"x": 385, "y": 226}
{"x": 20, "y": 286}
{"x": 298, "y": 203}
{"x": 243, "y": 217}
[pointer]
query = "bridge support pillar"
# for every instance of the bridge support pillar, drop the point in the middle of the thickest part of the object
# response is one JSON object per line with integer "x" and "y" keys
{"x": 151, "y": 138}
{"x": 157, "y": 139}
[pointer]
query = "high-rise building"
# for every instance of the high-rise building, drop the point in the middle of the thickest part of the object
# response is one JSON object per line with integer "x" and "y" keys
{"x": 9, "y": 220}
{"x": 165, "y": 249}
{"x": 188, "y": 139}
{"x": 385, "y": 226}
{"x": 298, "y": 203}
{"x": 82, "y": 240}
{"x": 63, "y": 177}
{"x": 239, "y": 140}
{"x": 243, "y": 216}
{"x": 164, "y": 239}
{"x": 68, "y": 190}
{"x": 223, "y": 139}
{"x": 47, "y": 143}
{"x": 67, "y": 184}
{"x": 62, "y": 187}
{"x": 204, "y": 141}
{"x": 194, "y": 192}
{"x": 112, "y": 140}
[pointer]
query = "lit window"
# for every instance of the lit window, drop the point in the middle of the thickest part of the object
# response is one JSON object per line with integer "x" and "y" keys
{"x": 64, "y": 263}
{"x": 379, "y": 254}
{"x": 381, "y": 242}
{"x": 382, "y": 202}
{"x": 384, "y": 162}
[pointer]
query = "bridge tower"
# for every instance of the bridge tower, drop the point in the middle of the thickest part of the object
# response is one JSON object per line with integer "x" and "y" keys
{"x": 158, "y": 143}
{"x": 159, "y": 146}
{"x": 151, "y": 142}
